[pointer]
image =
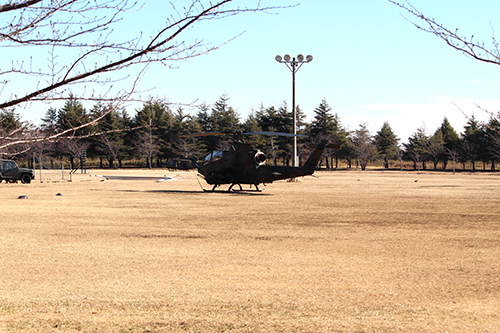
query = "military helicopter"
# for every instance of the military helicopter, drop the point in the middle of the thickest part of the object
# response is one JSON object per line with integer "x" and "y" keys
{"x": 244, "y": 165}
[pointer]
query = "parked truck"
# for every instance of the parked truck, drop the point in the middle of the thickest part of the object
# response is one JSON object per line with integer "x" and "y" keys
{"x": 11, "y": 173}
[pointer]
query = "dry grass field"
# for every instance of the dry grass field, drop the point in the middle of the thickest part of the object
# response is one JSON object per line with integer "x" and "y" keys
{"x": 349, "y": 251}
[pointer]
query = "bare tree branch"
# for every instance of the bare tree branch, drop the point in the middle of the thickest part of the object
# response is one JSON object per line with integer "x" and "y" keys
{"x": 135, "y": 57}
{"x": 161, "y": 47}
{"x": 78, "y": 37}
{"x": 19, "y": 5}
{"x": 466, "y": 45}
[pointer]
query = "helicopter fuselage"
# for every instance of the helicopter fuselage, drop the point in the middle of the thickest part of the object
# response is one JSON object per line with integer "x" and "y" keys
{"x": 244, "y": 165}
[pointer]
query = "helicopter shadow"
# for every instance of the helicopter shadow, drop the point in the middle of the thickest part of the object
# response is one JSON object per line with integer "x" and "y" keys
{"x": 249, "y": 193}
{"x": 190, "y": 192}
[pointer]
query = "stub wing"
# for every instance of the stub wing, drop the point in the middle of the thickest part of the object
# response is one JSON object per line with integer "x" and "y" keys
{"x": 166, "y": 178}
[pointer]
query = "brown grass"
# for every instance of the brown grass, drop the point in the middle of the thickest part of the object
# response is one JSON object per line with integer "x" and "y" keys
{"x": 346, "y": 252}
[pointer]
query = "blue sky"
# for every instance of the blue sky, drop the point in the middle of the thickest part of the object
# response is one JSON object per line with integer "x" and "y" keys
{"x": 370, "y": 64}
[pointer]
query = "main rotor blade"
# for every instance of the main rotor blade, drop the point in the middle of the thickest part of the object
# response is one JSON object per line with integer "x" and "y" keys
{"x": 158, "y": 178}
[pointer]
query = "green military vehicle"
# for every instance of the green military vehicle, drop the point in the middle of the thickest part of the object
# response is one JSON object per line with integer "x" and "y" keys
{"x": 11, "y": 173}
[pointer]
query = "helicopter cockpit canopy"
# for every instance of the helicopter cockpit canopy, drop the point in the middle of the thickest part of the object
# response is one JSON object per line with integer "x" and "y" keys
{"x": 213, "y": 156}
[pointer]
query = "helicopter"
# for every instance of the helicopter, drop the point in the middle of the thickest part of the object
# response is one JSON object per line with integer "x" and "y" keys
{"x": 244, "y": 165}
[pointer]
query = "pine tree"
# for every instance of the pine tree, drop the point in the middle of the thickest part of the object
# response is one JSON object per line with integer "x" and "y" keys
{"x": 271, "y": 119}
{"x": 450, "y": 136}
{"x": 493, "y": 140}
{"x": 472, "y": 141}
{"x": 387, "y": 144}
{"x": 112, "y": 144}
{"x": 71, "y": 115}
{"x": 451, "y": 141}
{"x": 153, "y": 139}
{"x": 251, "y": 124}
{"x": 416, "y": 149}
{"x": 323, "y": 123}
{"x": 327, "y": 125}
{"x": 10, "y": 121}
{"x": 49, "y": 123}
{"x": 223, "y": 116}
{"x": 203, "y": 118}
{"x": 435, "y": 148}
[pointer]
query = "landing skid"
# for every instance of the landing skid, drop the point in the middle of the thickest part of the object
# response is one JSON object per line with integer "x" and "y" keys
{"x": 241, "y": 188}
{"x": 231, "y": 188}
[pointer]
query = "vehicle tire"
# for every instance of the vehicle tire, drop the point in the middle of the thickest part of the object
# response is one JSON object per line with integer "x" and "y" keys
{"x": 25, "y": 179}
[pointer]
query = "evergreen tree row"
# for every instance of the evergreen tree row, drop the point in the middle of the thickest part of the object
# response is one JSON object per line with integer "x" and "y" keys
{"x": 156, "y": 133}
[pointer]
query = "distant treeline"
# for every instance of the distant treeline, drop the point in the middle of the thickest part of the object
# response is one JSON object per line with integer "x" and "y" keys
{"x": 156, "y": 133}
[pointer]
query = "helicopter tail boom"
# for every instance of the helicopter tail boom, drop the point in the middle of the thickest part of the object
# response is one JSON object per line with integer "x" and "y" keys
{"x": 312, "y": 161}
{"x": 286, "y": 172}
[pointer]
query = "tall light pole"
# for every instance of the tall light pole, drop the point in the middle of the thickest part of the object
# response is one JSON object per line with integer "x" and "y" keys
{"x": 294, "y": 66}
